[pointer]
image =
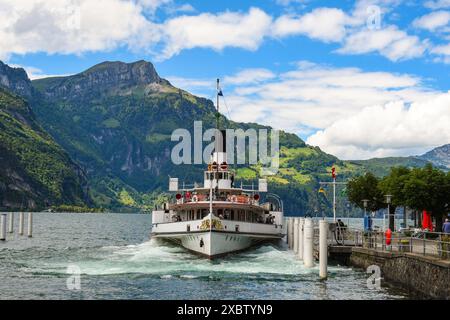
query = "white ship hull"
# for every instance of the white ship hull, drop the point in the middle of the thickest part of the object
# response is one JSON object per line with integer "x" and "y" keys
{"x": 220, "y": 240}
{"x": 214, "y": 244}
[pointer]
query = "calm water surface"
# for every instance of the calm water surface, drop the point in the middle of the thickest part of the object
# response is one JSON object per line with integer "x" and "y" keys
{"x": 118, "y": 260}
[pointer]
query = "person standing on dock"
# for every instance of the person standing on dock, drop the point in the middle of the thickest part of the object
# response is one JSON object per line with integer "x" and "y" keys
{"x": 446, "y": 239}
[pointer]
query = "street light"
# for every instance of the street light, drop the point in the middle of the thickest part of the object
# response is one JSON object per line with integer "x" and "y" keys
{"x": 365, "y": 202}
{"x": 388, "y": 201}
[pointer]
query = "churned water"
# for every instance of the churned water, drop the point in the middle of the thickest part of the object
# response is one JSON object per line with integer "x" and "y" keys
{"x": 118, "y": 260}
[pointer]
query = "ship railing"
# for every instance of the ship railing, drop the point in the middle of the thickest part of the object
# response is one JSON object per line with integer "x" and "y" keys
{"x": 246, "y": 200}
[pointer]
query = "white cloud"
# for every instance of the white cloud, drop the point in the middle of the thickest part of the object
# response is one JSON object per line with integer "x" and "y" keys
{"x": 437, "y": 4}
{"x": 76, "y": 27}
{"x": 391, "y": 42}
{"x": 391, "y": 129}
{"x": 314, "y": 98}
{"x": 326, "y": 24}
{"x": 215, "y": 31}
{"x": 433, "y": 20}
{"x": 250, "y": 76}
{"x": 152, "y": 5}
{"x": 65, "y": 26}
{"x": 444, "y": 50}
{"x": 36, "y": 73}
{"x": 288, "y": 2}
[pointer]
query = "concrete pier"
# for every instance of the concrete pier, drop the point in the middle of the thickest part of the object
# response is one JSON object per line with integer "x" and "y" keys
{"x": 21, "y": 220}
{"x": 3, "y": 227}
{"x": 300, "y": 238}
{"x": 11, "y": 222}
{"x": 296, "y": 220}
{"x": 30, "y": 224}
{"x": 291, "y": 233}
{"x": 308, "y": 235}
{"x": 323, "y": 249}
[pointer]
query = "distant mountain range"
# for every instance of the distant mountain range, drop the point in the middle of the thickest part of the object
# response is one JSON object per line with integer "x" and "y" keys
{"x": 111, "y": 125}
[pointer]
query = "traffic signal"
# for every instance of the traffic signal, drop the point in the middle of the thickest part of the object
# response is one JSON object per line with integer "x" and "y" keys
{"x": 333, "y": 172}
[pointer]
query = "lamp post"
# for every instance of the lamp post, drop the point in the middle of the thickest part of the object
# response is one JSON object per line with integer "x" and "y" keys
{"x": 388, "y": 201}
{"x": 365, "y": 203}
{"x": 348, "y": 214}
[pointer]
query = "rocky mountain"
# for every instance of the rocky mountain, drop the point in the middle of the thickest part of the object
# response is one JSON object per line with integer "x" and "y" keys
{"x": 439, "y": 156}
{"x": 115, "y": 121}
{"x": 15, "y": 80}
{"x": 35, "y": 172}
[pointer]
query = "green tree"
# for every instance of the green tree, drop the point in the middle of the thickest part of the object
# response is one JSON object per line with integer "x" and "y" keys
{"x": 429, "y": 189}
{"x": 394, "y": 184}
{"x": 365, "y": 187}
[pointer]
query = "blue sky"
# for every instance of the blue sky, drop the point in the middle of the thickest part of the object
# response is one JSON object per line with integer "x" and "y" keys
{"x": 360, "y": 79}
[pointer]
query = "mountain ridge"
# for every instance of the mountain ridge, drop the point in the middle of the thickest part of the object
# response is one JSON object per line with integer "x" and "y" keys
{"x": 439, "y": 156}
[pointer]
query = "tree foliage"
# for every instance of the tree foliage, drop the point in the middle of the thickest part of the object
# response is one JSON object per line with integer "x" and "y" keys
{"x": 365, "y": 187}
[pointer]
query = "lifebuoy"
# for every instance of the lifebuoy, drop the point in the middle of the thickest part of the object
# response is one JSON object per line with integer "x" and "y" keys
{"x": 388, "y": 236}
{"x": 194, "y": 198}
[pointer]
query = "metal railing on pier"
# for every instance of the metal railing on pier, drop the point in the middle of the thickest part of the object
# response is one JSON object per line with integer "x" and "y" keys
{"x": 433, "y": 244}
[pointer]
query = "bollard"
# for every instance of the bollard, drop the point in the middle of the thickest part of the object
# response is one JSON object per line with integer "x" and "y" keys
{"x": 287, "y": 231}
{"x": 21, "y": 223}
{"x": 300, "y": 238}
{"x": 3, "y": 227}
{"x": 295, "y": 235}
{"x": 323, "y": 249}
{"x": 30, "y": 224}
{"x": 291, "y": 235}
{"x": 11, "y": 222}
{"x": 308, "y": 234}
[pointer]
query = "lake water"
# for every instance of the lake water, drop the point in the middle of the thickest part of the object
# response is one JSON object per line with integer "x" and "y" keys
{"x": 118, "y": 260}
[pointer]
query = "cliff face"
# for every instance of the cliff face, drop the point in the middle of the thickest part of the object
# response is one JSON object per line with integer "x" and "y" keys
{"x": 35, "y": 171}
{"x": 15, "y": 80}
{"x": 100, "y": 79}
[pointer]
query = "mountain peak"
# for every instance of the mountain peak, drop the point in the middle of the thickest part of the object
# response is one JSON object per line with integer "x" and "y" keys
{"x": 103, "y": 77}
{"x": 139, "y": 72}
{"x": 15, "y": 79}
{"x": 439, "y": 156}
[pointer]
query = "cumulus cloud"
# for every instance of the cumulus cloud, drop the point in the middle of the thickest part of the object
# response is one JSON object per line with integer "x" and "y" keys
{"x": 437, "y": 4}
{"x": 433, "y": 20}
{"x": 70, "y": 27}
{"x": 215, "y": 31}
{"x": 36, "y": 73}
{"x": 391, "y": 42}
{"x": 326, "y": 24}
{"x": 75, "y": 27}
{"x": 318, "y": 100}
{"x": 395, "y": 128}
{"x": 250, "y": 76}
